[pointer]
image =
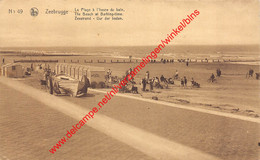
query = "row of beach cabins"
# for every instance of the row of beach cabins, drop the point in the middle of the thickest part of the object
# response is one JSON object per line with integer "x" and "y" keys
{"x": 96, "y": 75}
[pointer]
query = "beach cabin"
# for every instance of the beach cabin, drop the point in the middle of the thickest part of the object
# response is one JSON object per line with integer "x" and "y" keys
{"x": 12, "y": 70}
{"x": 96, "y": 75}
{"x": 73, "y": 70}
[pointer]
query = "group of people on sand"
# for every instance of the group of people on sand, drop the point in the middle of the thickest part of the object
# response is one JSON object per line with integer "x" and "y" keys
{"x": 250, "y": 73}
{"x": 128, "y": 87}
{"x": 155, "y": 82}
{"x": 213, "y": 77}
{"x": 148, "y": 83}
{"x": 184, "y": 80}
{"x": 47, "y": 73}
{"x": 162, "y": 82}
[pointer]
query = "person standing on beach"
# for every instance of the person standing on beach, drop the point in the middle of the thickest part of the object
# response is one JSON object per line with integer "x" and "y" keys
{"x": 151, "y": 84}
{"x": 218, "y": 72}
{"x": 147, "y": 75}
{"x": 185, "y": 81}
{"x": 156, "y": 82}
{"x": 109, "y": 73}
{"x": 176, "y": 74}
{"x": 212, "y": 77}
{"x": 144, "y": 84}
{"x": 129, "y": 72}
{"x": 31, "y": 66}
{"x": 182, "y": 82}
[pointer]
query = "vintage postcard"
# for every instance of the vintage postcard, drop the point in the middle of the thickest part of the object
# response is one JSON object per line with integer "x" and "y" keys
{"x": 129, "y": 80}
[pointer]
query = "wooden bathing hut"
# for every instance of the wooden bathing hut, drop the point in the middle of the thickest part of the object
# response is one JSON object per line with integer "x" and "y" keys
{"x": 12, "y": 70}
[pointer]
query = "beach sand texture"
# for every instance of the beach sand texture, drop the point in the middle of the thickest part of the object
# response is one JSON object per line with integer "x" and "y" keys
{"x": 233, "y": 92}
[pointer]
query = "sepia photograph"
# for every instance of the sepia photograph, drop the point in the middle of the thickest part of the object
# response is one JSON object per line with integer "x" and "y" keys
{"x": 130, "y": 80}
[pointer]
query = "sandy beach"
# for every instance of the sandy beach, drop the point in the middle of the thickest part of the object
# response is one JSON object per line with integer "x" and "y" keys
{"x": 233, "y": 92}
{"x": 218, "y": 136}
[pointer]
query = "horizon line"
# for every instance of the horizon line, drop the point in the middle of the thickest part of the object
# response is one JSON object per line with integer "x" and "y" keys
{"x": 137, "y": 45}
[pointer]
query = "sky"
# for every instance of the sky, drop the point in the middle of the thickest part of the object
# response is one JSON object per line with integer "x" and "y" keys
{"x": 145, "y": 22}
